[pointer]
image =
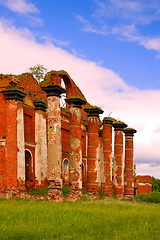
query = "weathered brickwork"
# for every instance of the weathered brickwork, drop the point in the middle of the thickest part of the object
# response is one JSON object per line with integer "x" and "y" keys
{"x": 129, "y": 164}
{"x": 107, "y": 184}
{"x": 143, "y": 184}
{"x": 118, "y": 158}
{"x": 43, "y": 144}
{"x": 75, "y": 141}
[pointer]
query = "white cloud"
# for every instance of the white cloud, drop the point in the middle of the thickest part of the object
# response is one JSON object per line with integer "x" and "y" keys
{"x": 20, "y": 6}
{"x": 49, "y": 39}
{"x": 138, "y": 11}
{"x": 151, "y": 43}
{"x": 145, "y": 169}
{"x": 89, "y": 28}
{"x": 131, "y": 33}
{"x": 101, "y": 86}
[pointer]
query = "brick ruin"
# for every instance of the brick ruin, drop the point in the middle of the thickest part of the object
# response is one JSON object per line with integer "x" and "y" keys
{"x": 44, "y": 144}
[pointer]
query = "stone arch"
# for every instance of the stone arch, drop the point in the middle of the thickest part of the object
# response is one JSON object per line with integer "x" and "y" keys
{"x": 65, "y": 172}
{"x": 28, "y": 169}
{"x": 54, "y": 78}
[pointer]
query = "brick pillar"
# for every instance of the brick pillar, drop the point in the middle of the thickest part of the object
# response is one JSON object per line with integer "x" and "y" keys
{"x": 41, "y": 144}
{"x": 100, "y": 157}
{"x": 15, "y": 160}
{"x": 92, "y": 158}
{"x": 107, "y": 155}
{"x": 75, "y": 142}
{"x": 118, "y": 158}
{"x": 54, "y": 135}
{"x": 129, "y": 164}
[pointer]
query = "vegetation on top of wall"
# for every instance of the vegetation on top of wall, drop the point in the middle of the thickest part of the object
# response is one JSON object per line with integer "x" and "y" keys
{"x": 22, "y": 74}
{"x": 48, "y": 84}
{"x": 15, "y": 88}
{"x": 92, "y": 107}
{"x": 40, "y": 100}
{"x": 119, "y": 122}
{"x": 76, "y": 97}
{"x": 58, "y": 72}
{"x": 109, "y": 119}
{"x": 130, "y": 129}
{"x": 46, "y": 81}
{"x": 38, "y": 71}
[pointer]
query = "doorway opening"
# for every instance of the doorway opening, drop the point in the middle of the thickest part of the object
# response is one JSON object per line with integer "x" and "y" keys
{"x": 28, "y": 170}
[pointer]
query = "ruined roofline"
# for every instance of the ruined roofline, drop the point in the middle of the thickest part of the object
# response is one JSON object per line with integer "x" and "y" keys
{"x": 73, "y": 89}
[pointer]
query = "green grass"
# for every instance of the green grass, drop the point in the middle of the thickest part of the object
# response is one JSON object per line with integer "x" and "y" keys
{"x": 90, "y": 219}
{"x": 40, "y": 192}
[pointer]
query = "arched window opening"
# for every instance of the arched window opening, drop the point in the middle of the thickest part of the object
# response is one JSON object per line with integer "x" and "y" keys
{"x": 63, "y": 95}
{"x": 66, "y": 172}
{"x": 83, "y": 176}
{"x": 28, "y": 169}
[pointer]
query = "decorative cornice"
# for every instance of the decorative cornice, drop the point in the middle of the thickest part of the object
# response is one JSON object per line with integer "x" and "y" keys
{"x": 93, "y": 111}
{"x": 129, "y": 131}
{"x": 39, "y": 105}
{"x": 108, "y": 120}
{"x": 54, "y": 90}
{"x": 76, "y": 102}
{"x": 118, "y": 125}
{"x": 14, "y": 94}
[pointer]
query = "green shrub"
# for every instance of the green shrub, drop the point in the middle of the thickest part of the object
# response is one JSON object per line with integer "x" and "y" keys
{"x": 101, "y": 194}
{"x": 153, "y": 197}
{"x": 65, "y": 191}
{"x": 85, "y": 195}
{"x": 155, "y": 184}
{"x": 40, "y": 192}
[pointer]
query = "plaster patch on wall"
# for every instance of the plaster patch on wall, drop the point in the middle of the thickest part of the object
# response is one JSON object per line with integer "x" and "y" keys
{"x": 20, "y": 145}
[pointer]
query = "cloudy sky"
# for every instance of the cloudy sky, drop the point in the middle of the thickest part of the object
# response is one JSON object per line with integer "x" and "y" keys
{"x": 110, "y": 48}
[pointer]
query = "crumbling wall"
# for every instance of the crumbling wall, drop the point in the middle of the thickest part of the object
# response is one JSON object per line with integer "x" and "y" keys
{"x": 72, "y": 131}
{"x": 143, "y": 184}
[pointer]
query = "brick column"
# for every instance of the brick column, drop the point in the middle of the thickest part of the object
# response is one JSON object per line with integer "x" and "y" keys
{"x": 92, "y": 158}
{"x": 41, "y": 144}
{"x": 107, "y": 155}
{"x": 118, "y": 158}
{"x": 15, "y": 160}
{"x": 54, "y": 135}
{"x": 75, "y": 142}
{"x": 100, "y": 158}
{"x": 129, "y": 164}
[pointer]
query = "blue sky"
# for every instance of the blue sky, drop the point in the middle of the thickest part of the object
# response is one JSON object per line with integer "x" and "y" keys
{"x": 111, "y": 49}
{"x": 112, "y": 33}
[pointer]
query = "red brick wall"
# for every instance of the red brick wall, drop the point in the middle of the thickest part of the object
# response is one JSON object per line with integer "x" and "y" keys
{"x": 2, "y": 140}
{"x": 11, "y": 144}
{"x": 65, "y": 137}
{"x": 84, "y": 153}
{"x": 143, "y": 184}
{"x": 2, "y": 115}
{"x": 29, "y": 124}
{"x": 2, "y": 168}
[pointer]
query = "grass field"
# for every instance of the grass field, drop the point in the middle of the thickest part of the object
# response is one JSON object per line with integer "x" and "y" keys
{"x": 90, "y": 219}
